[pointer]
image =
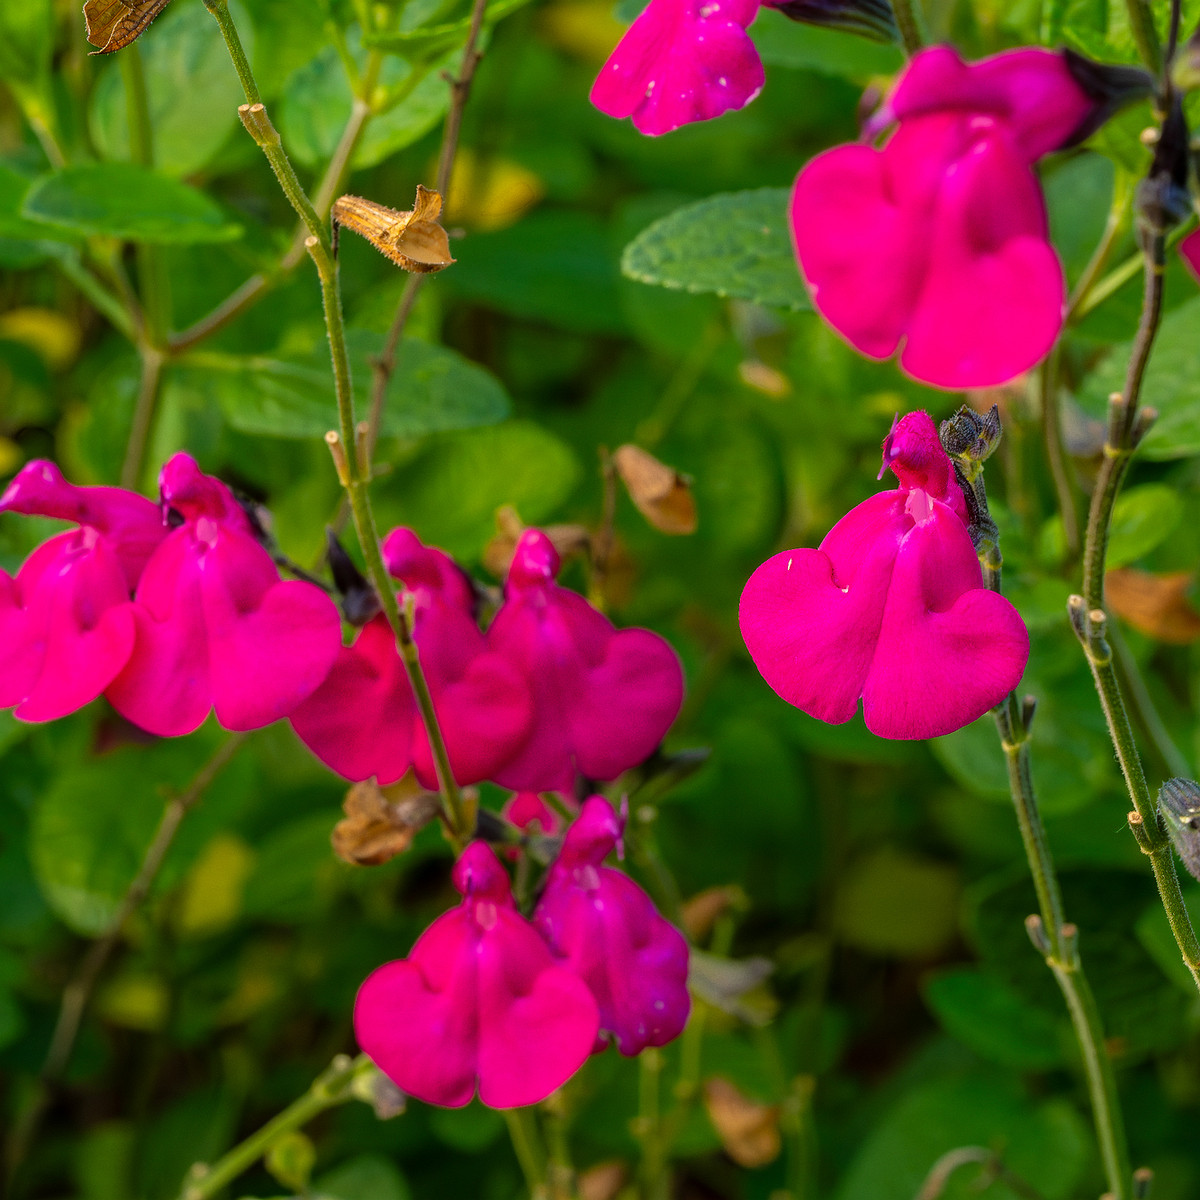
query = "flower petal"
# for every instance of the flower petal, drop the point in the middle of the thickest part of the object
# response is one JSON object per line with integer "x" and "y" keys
{"x": 948, "y": 649}
{"x": 992, "y": 304}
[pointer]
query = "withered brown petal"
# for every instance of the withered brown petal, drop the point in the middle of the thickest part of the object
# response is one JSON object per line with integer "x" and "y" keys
{"x": 1157, "y": 605}
{"x": 113, "y": 24}
{"x": 568, "y": 540}
{"x": 604, "y": 1181}
{"x": 412, "y": 240}
{"x": 749, "y": 1131}
{"x": 380, "y": 823}
{"x": 662, "y": 495}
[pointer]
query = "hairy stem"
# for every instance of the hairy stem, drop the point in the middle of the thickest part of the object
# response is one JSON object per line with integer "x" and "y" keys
{"x": 1126, "y": 427}
{"x": 330, "y": 1088}
{"x": 527, "y": 1145}
{"x": 79, "y": 990}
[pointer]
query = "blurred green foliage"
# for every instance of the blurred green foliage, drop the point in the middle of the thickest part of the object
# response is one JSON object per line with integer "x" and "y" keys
{"x": 884, "y": 882}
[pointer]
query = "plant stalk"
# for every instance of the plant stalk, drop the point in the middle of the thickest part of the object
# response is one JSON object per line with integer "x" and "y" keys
{"x": 911, "y": 22}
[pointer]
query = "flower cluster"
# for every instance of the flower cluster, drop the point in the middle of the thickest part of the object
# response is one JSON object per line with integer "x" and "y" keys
{"x": 890, "y": 607}
{"x": 514, "y": 1007}
{"x": 176, "y": 609}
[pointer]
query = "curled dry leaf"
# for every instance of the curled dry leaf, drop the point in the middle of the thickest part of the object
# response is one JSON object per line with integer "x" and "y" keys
{"x": 662, "y": 495}
{"x": 569, "y": 540}
{"x": 749, "y": 1131}
{"x": 412, "y": 240}
{"x": 113, "y": 24}
{"x": 1157, "y": 605}
{"x": 381, "y": 823}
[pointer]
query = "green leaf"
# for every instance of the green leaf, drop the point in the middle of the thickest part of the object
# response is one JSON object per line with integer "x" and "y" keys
{"x": 121, "y": 200}
{"x": 92, "y": 826}
{"x": 1143, "y": 518}
{"x": 296, "y": 872}
{"x": 428, "y": 41}
{"x": 995, "y": 1021}
{"x": 26, "y": 40}
{"x": 1046, "y": 1144}
{"x": 367, "y": 1177}
{"x": 450, "y": 491}
{"x": 433, "y": 389}
{"x": 472, "y": 1128}
{"x": 556, "y": 267}
{"x": 785, "y": 43}
{"x": 14, "y": 187}
{"x": 317, "y": 103}
{"x": 1171, "y": 385}
{"x": 191, "y": 88}
{"x": 735, "y": 244}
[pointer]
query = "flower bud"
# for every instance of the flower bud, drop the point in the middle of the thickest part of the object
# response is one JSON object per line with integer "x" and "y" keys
{"x": 1162, "y": 199}
{"x": 870, "y": 18}
{"x": 1108, "y": 86}
{"x": 1179, "y": 803}
{"x": 970, "y": 435}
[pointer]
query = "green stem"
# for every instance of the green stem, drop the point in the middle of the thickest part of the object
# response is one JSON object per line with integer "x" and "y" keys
{"x": 153, "y": 281}
{"x": 149, "y": 390}
{"x": 349, "y": 450}
{"x": 1126, "y": 427}
{"x": 100, "y": 297}
{"x": 1057, "y": 942}
{"x": 1141, "y": 22}
{"x": 1114, "y": 227}
{"x": 330, "y": 1088}
{"x": 237, "y": 52}
{"x": 527, "y": 1145}
{"x": 1146, "y": 713}
{"x": 911, "y": 22}
{"x": 656, "y": 1182}
{"x": 1055, "y": 454}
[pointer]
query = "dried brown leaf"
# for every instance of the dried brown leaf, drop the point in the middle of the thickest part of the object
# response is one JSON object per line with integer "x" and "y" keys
{"x": 381, "y": 823}
{"x": 1157, "y": 605}
{"x": 662, "y": 495}
{"x": 412, "y": 240}
{"x": 704, "y": 909}
{"x": 749, "y": 1131}
{"x": 113, "y": 24}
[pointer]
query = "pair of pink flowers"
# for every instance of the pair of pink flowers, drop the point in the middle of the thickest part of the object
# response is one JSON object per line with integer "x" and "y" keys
{"x": 176, "y": 609}
{"x": 551, "y": 691}
{"x": 935, "y": 242}
{"x": 514, "y": 1007}
{"x": 890, "y": 607}
{"x": 169, "y": 611}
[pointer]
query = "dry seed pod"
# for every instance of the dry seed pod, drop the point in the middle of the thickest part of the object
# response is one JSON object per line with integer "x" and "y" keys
{"x": 381, "y": 823}
{"x": 412, "y": 240}
{"x": 113, "y": 24}
{"x": 662, "y": 495}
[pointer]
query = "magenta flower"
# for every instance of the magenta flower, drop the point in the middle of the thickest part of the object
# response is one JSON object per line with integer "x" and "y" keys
{"x": 363, "y": 720}
{"x": 216, "y": 627}
{"x": 937, "y": 243}
{"x": 890, "y": 607}
{"x": 480, "y": 1000}
{"x": 610, "y": 934}
{"x": 522, "y": 809}
{"x": 603, "y": 698}
{"x": 681, "y": 61}
{"x": 66, "y": 620}
{"x": 1189, "y": 251}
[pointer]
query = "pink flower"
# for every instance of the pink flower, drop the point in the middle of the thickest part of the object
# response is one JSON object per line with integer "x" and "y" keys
{"x": 938, "y": 243}
{"x": 363, "y": 720}
{"x": 480, "y": 1000}
{"x": 216, "y": 628}
{"x": 525, "y": 808}
{"x": 681, "y": 61}
{"x": 66, "y": 620}
{"x": 603, "y": 698}
{"x": 609, "y": 932}
{"x": 890, "y": 607}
